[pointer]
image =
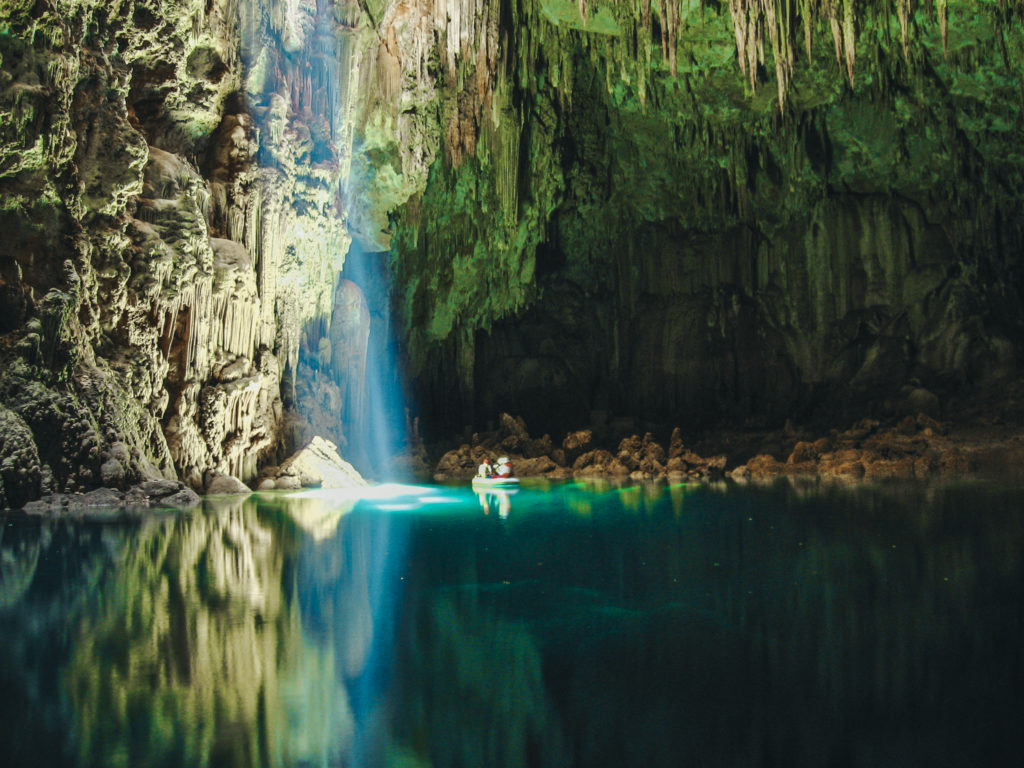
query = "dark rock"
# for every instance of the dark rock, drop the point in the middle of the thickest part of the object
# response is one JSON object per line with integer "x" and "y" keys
{"x": 919, "y": 400}
{"x": 802, "y": 452}
{"x": 577, "y": 443}
{"x": 157, "y": 489}
{"x": 184, "y": 498}
{"x": 101, "y": 497}
{"x": 533, "y": 449}
{"x": 533, "y": 467}
{"x": 112, "y": 473}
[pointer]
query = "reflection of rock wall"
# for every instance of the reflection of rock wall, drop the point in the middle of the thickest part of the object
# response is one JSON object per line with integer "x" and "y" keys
{"x": 474, "y": 692}
{"x": 197, "y": 653}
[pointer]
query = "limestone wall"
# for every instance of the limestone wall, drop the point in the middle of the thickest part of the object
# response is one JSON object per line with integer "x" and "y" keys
{"x": 172, "y": 178}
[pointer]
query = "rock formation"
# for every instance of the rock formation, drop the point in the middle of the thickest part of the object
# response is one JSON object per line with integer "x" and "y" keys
{"x": 173, "y": 193}
{"x": 706, "y": 212}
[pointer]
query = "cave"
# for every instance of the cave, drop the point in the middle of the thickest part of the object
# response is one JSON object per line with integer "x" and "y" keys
{"x": 288, "y": 288}
{"x": 624, "y": 217}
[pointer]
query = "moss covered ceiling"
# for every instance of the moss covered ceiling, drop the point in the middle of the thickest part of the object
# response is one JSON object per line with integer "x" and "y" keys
{"x": 595, "y": 119}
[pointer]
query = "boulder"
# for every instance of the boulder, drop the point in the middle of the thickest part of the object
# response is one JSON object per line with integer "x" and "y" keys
{"x": 184, "y": 498}
{"x": 577, "y": 443}
{"x": 156, "y": 489}
{"x": 225, "y": 484}
{"x": 319, "y": 458}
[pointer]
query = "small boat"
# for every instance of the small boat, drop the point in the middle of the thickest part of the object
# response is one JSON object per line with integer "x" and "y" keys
{"x": 495, "y": 482}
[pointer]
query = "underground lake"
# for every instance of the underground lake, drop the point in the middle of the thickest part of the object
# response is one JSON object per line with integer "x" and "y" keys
{"x": 560, "y": 625}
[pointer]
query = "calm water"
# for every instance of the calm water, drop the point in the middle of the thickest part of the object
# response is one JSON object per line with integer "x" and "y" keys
{"x": 690, "y": 626}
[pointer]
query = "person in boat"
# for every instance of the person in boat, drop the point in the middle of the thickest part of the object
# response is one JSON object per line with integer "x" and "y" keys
{"x": 485, "y": 469}
{"x": 504, "y": 468}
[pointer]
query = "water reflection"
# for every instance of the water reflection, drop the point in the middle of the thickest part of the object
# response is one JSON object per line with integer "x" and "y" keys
{"x": 497, "y": 501}
{"x": 588, "y": 627}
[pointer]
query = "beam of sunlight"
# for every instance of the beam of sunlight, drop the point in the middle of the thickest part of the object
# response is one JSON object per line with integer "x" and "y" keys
{"x": 303, "y": 71}
{"x": 377, "y": 434}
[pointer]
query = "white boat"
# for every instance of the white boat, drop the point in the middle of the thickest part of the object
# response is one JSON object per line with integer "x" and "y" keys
{"x": 495, "y": 482}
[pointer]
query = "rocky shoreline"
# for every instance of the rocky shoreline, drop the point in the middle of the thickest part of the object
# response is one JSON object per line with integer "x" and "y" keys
{"x": 914, "y": 447}
{"x": 315, "y": 465}
{"x": 112, "y": 502}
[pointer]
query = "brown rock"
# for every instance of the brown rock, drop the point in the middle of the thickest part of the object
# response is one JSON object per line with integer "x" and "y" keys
{"x": 764, "y": 466}
{"x": 590, "y": 458}
{"x": 925, "y": 422}
{"x": 859, "y": 431}
{"x": 740, "y": 473}
{"x": 803, "y": 452}
{"x": 631, "y": 444}
{"x": 533, "y": 467}
{"x": 628, "y": 459}
{"x": 577, "y": 443}
{"x": 823, "y": 445}
{"x": 887, "y": 468}
{"x": 675, "y": 443}
{"x": 842, "y": 463}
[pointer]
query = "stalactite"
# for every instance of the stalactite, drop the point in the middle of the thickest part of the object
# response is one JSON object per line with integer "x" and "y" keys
{"x": 849, "y": 37}
{"x": 940, "y": 7}
{"x": 664, "y": 30}
{"x": 805, "y": 10}
{"x": 903, "y": 14}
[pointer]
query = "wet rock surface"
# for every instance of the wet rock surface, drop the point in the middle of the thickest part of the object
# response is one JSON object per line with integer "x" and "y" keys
{"x": 112, "y": 503}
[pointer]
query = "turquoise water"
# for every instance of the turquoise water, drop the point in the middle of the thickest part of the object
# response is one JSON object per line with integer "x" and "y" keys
{"x": 557, "y": 626}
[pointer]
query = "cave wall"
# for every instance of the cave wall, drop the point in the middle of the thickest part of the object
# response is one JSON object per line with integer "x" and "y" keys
{"x": 720, "y": 211}
{"x": 173, "y": 198}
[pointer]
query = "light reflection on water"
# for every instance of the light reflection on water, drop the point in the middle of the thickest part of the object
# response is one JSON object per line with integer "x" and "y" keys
{"x": 573, "y": 625}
